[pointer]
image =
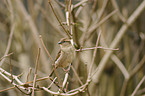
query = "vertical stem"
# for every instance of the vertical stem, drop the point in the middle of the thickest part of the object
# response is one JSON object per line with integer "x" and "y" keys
{"x": 36, "y": 67}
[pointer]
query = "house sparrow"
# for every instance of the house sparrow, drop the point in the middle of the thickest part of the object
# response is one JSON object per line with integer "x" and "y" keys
{"x": 66, "y": 54}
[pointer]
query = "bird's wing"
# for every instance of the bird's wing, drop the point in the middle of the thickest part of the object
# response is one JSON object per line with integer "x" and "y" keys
{"x": 58, "y": 55}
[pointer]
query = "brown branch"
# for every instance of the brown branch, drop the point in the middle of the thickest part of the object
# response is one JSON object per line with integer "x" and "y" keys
{"x": 45, "y": 15}
{"x": 11, "y": 69}
{"x": 99, "y": 47}
{"x": 52, "y": 82}
{"x": 137, "y": 87}
{"x": 50, "y": 59}
{"x": 67, "y": 33}
{"x": 61, "y": 4}
{"x": 69, "y": 93}
{"x": 30, "y": 70}
{"x": 114, "y": 3}
{"x": 132, "y": 73}
{"x": 94, "y": 56}
{"x": 116, "y": 40}
{"x": 11, "y": 31}
{"x": 77, "y": 75}
{"x": 120, "y": 65}
{"x": 46, "y": 49}
{"x": 138, "y": 67}
{"x": 7, "y": 73}
{"x": 7, "y": 89}
{"x": 35, "y": 74}
{"x": 6, "y": 56}
{"x": 41, "y": 79}
{"x": 75, "y": 31}
{"x": 80, "y": 3}
{"x": 95, "y": 26}
{"x": 102, "y": 10}
{"x": 23, "y": 91}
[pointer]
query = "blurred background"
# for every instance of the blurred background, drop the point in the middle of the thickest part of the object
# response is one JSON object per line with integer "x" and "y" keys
{"x": 30, "y": 18}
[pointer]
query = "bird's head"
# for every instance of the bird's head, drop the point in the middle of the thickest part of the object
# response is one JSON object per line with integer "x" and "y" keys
{"x": 65, "y": 43}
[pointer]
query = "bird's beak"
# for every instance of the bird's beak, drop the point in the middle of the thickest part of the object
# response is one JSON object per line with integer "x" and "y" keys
{"x": 59, "y": 42}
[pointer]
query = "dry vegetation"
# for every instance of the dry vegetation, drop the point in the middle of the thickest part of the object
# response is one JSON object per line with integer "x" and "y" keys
{"x": 109, "y": 37}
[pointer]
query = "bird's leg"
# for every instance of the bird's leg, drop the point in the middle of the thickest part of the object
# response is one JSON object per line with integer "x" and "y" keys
{"x": 67, "y": 70}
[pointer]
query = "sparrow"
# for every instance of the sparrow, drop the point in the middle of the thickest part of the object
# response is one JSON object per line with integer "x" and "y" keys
{"x": 65, "y": 55}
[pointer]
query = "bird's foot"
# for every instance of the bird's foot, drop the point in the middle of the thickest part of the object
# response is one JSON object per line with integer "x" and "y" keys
{"x": 66, "y": 70}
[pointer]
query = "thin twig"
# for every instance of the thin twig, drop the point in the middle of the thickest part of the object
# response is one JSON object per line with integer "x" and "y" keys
{"x": 75, "y": 31}
{"x": 138, "y": 66}
{"x": 66, "y": 86}
{"x": 11, "y": 69}
{"x": 29, "y": 73}
{"x": 45, "y": 15}
{"x": 7, "y": 73}
{"x": 69, "y": 18}
{"x": 67, "y": 33}
{"x": 80, "y": 3}
{"x": 114, "y": 3}
{"x": 118, "y": 37}
{"x": 65, "y": 80}
{"x": 6, "y": 56}
{"x": 99, "y": 47}
{"x": 95, "y": 26}
{"x": 141, "y": 91}
{"x": 11, "y": 31}
{"x": 102, "y": 10}
{"x": 94, "y": 6}
{"x": 52, "y": 82}
{"x": 120, "y": 66}
{"x": 34, "y": 32}
{"x": 137, "y": 87}
{"x": 9, "y": 80}
{"x": 77, "y": 75}
{"x": 61, "y": 4}
{"x": 41, "y": 79}
{"x": 132, "y": 73}
{"x": 69, "y": 93}
{"x": 7, "y": 89}
{"x": 50, "y": 59}
{"x": 26, "y": 93}
{"x": 94, "y": 55}
{"x": 36, "y": 68}
{"x": 46, "y": 49}
{"x": 18, "y": 76}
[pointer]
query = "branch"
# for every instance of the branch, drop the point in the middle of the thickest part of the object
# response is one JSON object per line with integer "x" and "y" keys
{"x": 94, "y": 56}
{"x": 34, "y": 31}
{"x": 67, "y": 33}
{"x": 116, "y": 40}
{"x": 11, "y": 32}
{"x": 137, "y": 87}
{"x": 120, "y": 66}
{"x": 35, "y": 75}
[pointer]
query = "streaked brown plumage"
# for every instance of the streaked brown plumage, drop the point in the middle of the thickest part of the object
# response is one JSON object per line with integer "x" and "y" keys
{"x": 66, "y": 54}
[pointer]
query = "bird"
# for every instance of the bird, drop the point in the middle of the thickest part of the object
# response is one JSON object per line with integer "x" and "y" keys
{"x": 65, "y": 55}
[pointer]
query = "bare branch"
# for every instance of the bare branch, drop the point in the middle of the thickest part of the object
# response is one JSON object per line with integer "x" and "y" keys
{"x": 139, "y": 84}
{"x": 120, "y": 66}
{"x": 118, "y": 37}
{"x": 36, "y": 68}
{"x": 94, "y": 56}
{"x": 67, "y": 33}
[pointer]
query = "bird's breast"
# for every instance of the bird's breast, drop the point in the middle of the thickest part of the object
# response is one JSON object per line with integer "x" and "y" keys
{"x": 65, "y": 58}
